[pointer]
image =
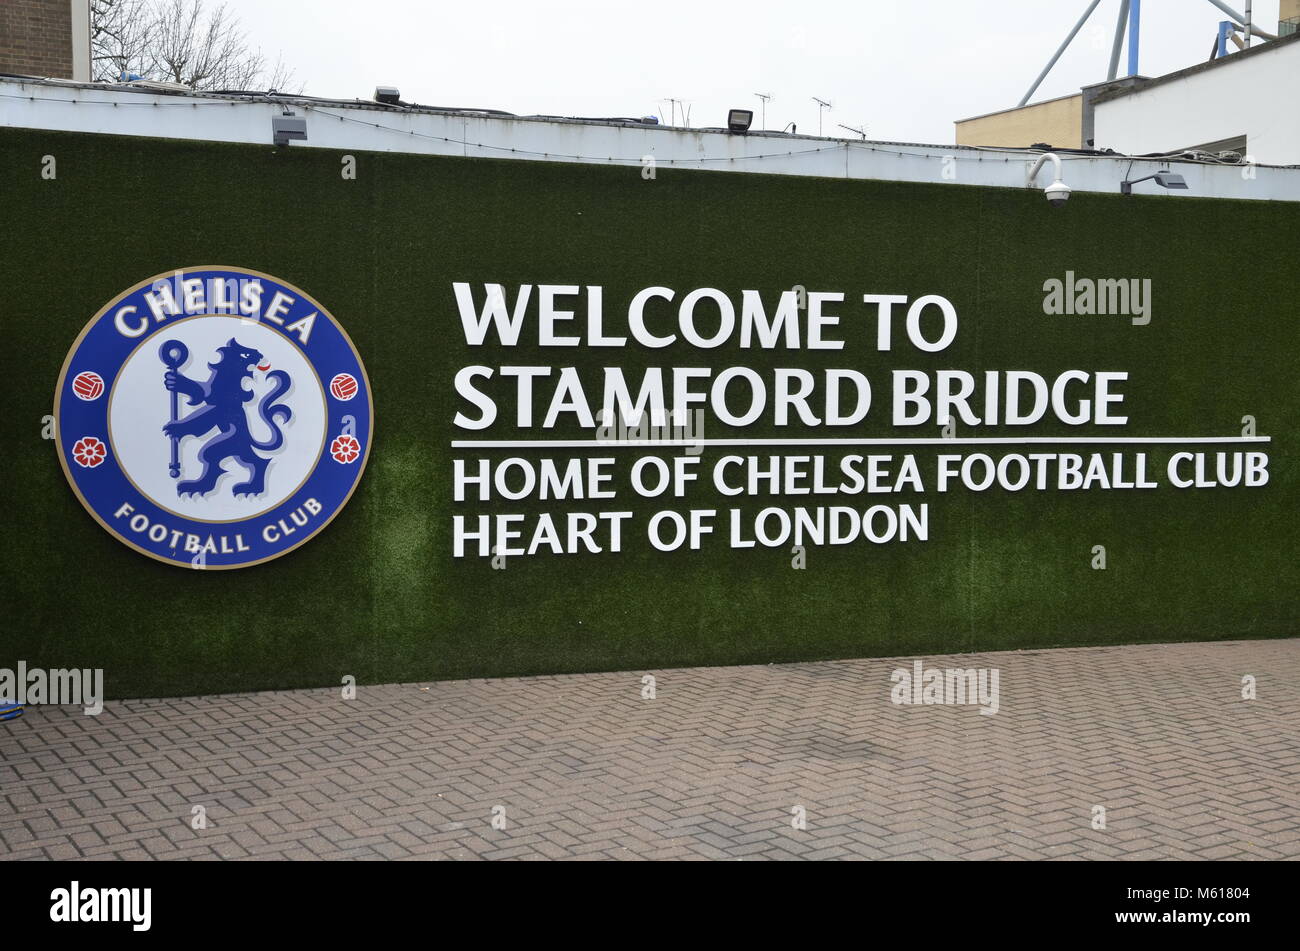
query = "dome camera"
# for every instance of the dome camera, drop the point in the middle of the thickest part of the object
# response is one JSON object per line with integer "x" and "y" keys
{"x": 1058, "y": 193}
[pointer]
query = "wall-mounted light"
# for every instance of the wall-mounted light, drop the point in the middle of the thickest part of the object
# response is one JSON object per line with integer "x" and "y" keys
{"x": 388, "y": 95}
{"x": 1165, "y": 179}
{"x": 739, "y": 120}
{"x": 287, "y": 127}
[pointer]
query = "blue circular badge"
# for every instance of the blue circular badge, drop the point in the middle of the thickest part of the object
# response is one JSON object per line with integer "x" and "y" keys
{"x": 213, "y": 417}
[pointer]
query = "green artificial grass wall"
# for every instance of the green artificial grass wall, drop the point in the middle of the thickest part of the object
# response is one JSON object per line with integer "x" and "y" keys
{"x": 378, "y": 594}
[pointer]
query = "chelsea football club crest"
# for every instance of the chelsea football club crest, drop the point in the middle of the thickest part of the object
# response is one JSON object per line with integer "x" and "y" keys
{"x": 213, "y": 417}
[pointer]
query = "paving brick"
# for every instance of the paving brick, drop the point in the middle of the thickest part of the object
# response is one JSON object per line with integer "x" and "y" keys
{"x": 709, "y": 770}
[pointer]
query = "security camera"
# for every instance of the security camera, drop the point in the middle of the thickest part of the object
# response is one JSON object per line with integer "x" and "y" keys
{"x": 1058, "y": 193}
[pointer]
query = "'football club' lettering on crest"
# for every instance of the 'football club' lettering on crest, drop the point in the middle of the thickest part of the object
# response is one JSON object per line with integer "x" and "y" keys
{"x": 213, "y": 417}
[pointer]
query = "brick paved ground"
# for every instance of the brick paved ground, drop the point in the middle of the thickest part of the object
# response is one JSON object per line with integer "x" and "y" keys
{"x": 711, "y": 768}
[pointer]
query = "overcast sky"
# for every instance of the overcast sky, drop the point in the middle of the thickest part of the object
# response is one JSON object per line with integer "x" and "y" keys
{"x": 906, "y": 69}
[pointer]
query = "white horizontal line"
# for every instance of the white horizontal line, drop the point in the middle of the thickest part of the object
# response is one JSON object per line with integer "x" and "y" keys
{"x": 850, "y": 441}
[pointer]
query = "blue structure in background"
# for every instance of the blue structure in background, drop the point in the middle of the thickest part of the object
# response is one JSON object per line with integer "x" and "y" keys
{"x": 1130, "y": 21}
{"x": 1226, "y": 29}
{"x": 1134, "y": 35}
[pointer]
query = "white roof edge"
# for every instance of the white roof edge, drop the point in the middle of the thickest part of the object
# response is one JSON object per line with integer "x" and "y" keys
{"x": 59, "y": 105}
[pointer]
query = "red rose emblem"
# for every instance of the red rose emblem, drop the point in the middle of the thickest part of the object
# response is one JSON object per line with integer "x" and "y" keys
{"x": 345, "y": 449}
{"x": 89, "y": 452}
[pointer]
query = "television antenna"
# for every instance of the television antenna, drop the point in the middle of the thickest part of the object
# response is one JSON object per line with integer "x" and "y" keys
{"x": 848, "y": 128}
{"x": 766, "y": 97}
{"x": 684, "y": 105}
{"x": 822, "y": 106}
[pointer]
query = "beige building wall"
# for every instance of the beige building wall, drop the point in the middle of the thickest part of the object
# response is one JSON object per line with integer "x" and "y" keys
{"x": 1288, "y": 17}
{"x": 1058, "y": 122}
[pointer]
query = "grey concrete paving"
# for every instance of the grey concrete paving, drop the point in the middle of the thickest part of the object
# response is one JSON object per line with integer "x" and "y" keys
{"x": 713, "y": 767}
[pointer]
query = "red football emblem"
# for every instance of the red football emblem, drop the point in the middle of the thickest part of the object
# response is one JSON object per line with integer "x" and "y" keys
{"x": 88, "y": 385}
{"x": 344, "y": 386}
{"x": 89, "y": 451}
{"x": 345, "y": 449}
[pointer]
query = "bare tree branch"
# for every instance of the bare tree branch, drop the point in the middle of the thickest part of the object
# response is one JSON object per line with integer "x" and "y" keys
{"x": 180, "y": 41}
{"x": 119, "y": 37}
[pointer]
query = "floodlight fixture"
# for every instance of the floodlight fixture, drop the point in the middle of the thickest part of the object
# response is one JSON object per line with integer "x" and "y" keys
{"x": 288, "y": 127}
{"x": 739, "y": 120}
{"x": 1163, "y": 178}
